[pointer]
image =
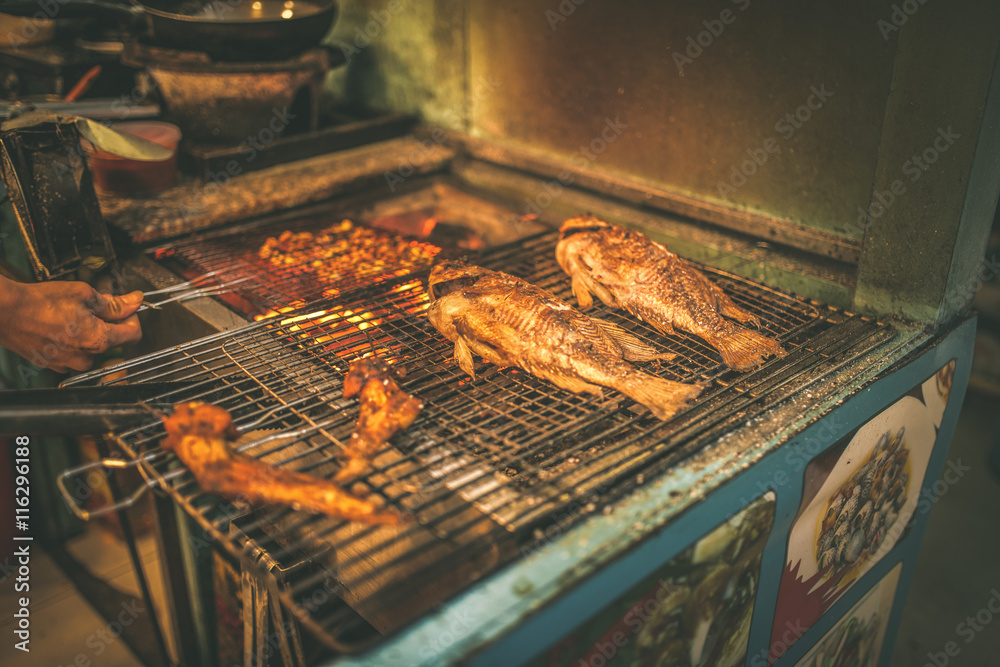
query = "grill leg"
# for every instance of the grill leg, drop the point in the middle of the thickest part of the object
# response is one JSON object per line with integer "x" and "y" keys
{"x": 266, "y": 627}
{"x": 176, "y": 585}
{"x": 133, "y": 552}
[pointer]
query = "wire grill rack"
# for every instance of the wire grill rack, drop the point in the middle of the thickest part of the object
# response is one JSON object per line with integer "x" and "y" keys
{"x": 266, "y": 284}
{"x": 488, "y": 462}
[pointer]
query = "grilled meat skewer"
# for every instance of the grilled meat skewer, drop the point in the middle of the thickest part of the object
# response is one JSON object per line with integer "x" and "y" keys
{"x": 510, "y": 322}
{"x": 199, "y": 434}
{"x": 385, "y": 409}
{"x": 628, "y": 270}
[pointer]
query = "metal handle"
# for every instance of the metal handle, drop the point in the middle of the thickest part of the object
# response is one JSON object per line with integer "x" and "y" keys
{"x": 110, "y": 464}
{"x": 190, "y": 292}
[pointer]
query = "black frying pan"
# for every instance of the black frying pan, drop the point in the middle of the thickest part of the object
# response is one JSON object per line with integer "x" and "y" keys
{"x": 227, "y": 30}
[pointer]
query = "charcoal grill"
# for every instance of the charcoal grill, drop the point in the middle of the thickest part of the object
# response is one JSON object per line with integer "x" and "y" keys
{"x": 489, "y": 461}
{"x": 543, "y": 521}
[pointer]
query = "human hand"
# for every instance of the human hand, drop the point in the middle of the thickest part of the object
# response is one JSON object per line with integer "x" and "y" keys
{"x": 62, "y": 325}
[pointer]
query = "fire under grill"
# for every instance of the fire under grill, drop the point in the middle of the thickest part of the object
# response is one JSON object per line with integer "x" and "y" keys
{"x": 488, "y": 463}
{"x": 308, "y": 259}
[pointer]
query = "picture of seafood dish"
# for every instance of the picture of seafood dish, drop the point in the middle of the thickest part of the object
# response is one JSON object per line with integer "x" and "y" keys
{"x": 629, "y": 271}
{"x": 857, "y": 639}
{"x": 704, "y": 614}
{"x": 852, "y": 644}
{"x": 385, "y": 409}
{"x": 857, "y": 518}
{"x": 509, "y": 322}
{"x": 199, "y": 434}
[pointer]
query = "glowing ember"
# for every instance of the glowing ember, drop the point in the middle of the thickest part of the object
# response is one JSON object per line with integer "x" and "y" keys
{"x": 344, "y": 251}
{"x": 280, "y": 311}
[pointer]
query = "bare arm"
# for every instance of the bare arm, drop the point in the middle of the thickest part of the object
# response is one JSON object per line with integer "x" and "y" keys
{"x": 62, "y": 325}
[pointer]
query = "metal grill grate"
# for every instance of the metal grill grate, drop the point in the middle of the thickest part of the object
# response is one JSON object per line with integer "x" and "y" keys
{"x": 487, "y": 463}
{"x": 268, "y": 284}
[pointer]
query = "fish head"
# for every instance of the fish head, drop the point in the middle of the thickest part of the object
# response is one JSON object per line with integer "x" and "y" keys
{"x": 451, "y": 275}
{"x": 582, "y": 223}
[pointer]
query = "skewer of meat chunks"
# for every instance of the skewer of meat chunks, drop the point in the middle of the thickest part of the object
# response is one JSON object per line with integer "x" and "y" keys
{"x": 199, "y": 434}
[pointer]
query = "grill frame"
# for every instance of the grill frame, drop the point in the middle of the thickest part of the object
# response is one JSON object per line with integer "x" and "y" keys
{"x": 731, "y": 398}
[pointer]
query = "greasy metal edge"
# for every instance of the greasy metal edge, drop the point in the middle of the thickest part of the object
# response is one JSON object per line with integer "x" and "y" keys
{"x": 491, "y": 611}
{"x": 767, "y": 228}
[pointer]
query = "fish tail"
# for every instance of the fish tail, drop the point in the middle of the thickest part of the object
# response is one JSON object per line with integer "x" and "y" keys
{"x": 664, "y": 398}
{"x": 743, "y": 349}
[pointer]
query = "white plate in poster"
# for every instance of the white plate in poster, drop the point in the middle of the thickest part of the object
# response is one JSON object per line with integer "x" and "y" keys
{"x": 909, "y": 413}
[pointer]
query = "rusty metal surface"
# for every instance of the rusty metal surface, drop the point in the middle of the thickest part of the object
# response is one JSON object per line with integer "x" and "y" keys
{"x": 193, "y": 206}
{"x": 598, "y": 84}
{"x": 650, "y": 195}
{"x": 488, "y": 460}
{"x": 935, "y": 189}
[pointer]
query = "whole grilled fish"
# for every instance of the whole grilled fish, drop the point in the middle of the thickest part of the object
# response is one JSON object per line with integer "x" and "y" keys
{"x": 509, "y": 322}
{"x": 626, "y": 269}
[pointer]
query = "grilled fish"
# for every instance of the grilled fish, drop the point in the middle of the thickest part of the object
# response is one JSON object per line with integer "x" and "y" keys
{"x": 509, "y": 322}
{"x": 385, "y": 409}
{"x": 626, "y": 269}
{"x": 199, "y": 434}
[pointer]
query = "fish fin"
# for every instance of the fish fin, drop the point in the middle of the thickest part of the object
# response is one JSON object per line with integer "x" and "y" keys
{"x": 661, "y": 326}
{"x": 633, "y": 349}
{"x": 574, "y": 384}
{"x": 728, "y": 308}
{"x": 664, "y": 398}
{"x": 464, "y": 357}
{"x": 742, "y": 349}
{"x": 486, "y": 352}
{"x": 582, "y": 294}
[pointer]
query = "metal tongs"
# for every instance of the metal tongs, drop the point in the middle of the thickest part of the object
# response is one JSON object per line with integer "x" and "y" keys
{"x": 191, "y": 289}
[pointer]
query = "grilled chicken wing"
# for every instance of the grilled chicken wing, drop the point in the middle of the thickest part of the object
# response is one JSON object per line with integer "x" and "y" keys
{"x": 510, "y": 322}
{"x": 627, "y": 270}
{"x": 385, "y": 409}
{"x": 199, "y": 433}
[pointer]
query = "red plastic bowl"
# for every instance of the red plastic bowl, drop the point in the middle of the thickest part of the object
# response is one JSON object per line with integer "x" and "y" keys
{"x": 115, "y": 175}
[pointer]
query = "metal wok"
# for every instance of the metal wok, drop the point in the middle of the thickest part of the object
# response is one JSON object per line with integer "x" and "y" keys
{"x": 227, "y": 30}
